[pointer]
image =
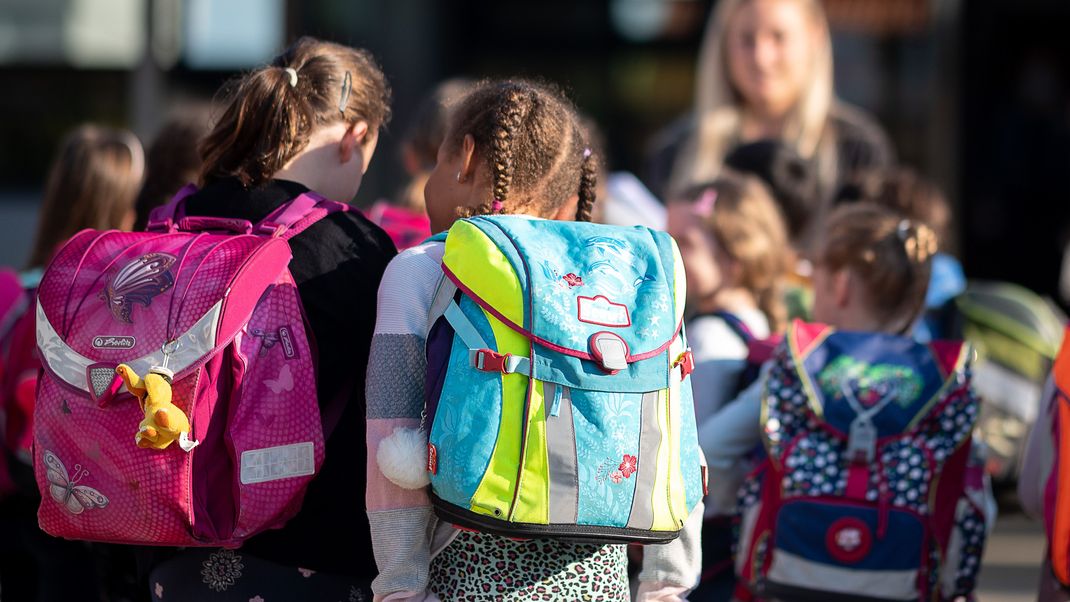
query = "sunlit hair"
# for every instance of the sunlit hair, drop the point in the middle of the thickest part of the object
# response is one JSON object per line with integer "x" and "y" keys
{"x": 718, "y": 103}
{"x": 744, "y": 221}
{"x": 272, "y": 111}
{"x": 890, "y": 254}
{"x": 531, "y": 140}
{"x": 92, "y": 183}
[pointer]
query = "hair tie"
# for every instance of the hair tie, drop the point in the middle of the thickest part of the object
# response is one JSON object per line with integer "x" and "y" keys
{"x": 293, "y": 76}
{"x": 586, "y": 153}
{"x": 703, "y": 207}
{"x": 496, "y": 205}
{"x": 903, "y": 231}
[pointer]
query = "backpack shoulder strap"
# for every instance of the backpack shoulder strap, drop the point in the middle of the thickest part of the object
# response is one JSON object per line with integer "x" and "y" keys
{"x": 296, "y": 216}
{"x": 737, "y": 325}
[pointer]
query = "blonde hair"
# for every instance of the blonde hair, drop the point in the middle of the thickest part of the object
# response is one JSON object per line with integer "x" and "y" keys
{"x": 890, "y": 254}
{"x": 745, "y": 222}
{"x": 718, "y": 117}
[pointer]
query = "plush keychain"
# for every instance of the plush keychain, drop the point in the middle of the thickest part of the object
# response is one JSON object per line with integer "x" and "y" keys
{"x": 164, "y": 422}
{"x": 402, "y": 458}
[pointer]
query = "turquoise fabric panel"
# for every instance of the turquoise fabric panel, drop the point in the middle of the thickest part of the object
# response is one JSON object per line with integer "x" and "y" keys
{"x": 465, "y": 433}
{"x": 607, "y": 436}
{"x": 690, "y": 462}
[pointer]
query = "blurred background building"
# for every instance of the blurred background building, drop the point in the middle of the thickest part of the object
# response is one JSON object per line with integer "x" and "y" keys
{"x": 974, "y": 93}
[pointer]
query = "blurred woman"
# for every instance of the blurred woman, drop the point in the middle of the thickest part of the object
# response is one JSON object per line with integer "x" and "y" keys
{"x": 765, "y": 72}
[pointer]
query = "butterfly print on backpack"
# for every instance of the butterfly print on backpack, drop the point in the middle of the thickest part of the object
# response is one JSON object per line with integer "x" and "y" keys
{"x": 66, "y": 490}
{"x": 138, "y": 282}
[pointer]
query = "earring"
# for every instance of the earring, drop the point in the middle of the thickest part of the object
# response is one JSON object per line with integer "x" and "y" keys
{"x": 459, "y": 178}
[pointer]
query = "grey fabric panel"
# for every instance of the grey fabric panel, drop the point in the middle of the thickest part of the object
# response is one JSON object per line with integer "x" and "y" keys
{"x": 402, "y": 548}
{"x": 642, "y": 516}
{"x": 561, "y": 454}
{"x": 395, "y": 380}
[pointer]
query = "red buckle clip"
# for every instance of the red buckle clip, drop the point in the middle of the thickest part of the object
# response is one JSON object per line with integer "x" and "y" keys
{"x": 490, "y": 361}
{"x": 686, "y": 362}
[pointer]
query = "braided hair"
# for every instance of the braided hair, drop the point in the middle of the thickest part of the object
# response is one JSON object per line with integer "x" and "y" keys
{"x": 530, "y": 138}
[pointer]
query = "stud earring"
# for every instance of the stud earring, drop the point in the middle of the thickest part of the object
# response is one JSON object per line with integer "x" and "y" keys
{"x": 459, "y": 178}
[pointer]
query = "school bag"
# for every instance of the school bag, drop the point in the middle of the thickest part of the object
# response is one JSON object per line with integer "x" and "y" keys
{"x": 871, "y": 490}
{"x": 213, "y": 301}
{"x": 1057, "y": 486}
{"x": 558, "y": 387}
{"x": 1017, "y": 334}
{"x": 13, "y": 303}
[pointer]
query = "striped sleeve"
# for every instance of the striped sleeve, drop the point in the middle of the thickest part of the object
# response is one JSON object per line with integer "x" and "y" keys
{"x": 401, "y": 519}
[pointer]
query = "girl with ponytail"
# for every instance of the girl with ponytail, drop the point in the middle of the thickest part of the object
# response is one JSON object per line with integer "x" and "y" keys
{"x": 307, "y": 121}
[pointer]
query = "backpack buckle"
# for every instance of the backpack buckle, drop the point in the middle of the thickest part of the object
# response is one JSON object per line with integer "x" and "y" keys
{"x": 686, "y": 363}
{"x": 490, "y": 361}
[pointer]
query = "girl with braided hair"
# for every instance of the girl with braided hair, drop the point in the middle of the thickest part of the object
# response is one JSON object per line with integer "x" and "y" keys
{"x": 513, "y": 147}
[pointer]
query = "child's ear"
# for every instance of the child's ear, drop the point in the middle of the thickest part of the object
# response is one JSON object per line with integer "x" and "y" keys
{"x": 353, "y": 137}
{"x": 468, "y": 159}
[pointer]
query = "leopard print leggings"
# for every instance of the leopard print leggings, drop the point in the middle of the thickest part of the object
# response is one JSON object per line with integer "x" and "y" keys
{"x": 479, "y": 567}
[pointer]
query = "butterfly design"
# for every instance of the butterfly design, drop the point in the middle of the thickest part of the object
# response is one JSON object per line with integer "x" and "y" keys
{"x": 66, "y": 490}
{"x": 283, "y": 382}
{"x": 138, "y": 282}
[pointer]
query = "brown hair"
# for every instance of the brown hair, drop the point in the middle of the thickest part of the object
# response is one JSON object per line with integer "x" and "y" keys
{"x": 530, "y": 138}
{"x": 904, "y": 191}
{"x": 172, "y": 160}
{"x": 745, "y": 222}
{"x": 891, "y": 254}
{"x": 92, "y": 183}
{"x": 271, "y": 113}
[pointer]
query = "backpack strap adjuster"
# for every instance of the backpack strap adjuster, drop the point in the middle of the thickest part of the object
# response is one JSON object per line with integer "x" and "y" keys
{"x": 489, "y": 361}
{"x": 492, "y": 361}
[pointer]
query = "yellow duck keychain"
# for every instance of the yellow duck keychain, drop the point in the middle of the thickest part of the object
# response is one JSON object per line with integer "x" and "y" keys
{"x": 164, "y": 422}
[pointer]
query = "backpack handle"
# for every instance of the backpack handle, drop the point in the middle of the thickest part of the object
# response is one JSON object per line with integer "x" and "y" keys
{"x": 289, "y": 220}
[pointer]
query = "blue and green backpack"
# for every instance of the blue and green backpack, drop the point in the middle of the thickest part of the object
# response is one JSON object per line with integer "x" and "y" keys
{"x": 557, "y": 383}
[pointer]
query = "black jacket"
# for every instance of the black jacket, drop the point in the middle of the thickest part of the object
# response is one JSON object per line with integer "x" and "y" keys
{"x": 337, "y": 264}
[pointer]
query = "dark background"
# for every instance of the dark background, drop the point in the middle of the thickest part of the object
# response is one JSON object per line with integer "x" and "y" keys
{"x": 973, "y": 93}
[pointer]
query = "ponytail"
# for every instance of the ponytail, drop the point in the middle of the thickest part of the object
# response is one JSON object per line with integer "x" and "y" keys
{"x": 272, "y": 112}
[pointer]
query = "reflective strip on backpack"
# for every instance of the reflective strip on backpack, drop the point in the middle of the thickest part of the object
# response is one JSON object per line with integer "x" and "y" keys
{"x": 71, "y": 367}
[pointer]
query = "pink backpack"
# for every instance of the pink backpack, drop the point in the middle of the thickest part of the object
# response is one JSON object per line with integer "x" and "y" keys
{"x": 213, "y": 300}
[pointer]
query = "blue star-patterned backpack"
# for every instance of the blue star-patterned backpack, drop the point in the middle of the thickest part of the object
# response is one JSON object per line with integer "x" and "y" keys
{"x": 871, "y": 489}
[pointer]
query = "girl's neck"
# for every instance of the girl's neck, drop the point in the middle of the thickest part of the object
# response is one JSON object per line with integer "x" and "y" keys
{"x": 735, "y": 300}
{"x": 762, "y": 124}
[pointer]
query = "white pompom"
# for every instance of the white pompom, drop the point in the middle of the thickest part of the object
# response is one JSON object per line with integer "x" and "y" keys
{"x": 403, "y": 458}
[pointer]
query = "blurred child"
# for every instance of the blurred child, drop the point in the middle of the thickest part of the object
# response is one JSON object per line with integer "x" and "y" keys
{"x": 173, "y": 160}
{"x": 405, "y": 220}
{"x": 870, "y": 277}
{"x": 92, "y": 183}
{"x": 1043, "y": 481}
{"x": 793, "y": 183}
{"x": 732, "y": 239}
{"x": 513, "y": 148}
